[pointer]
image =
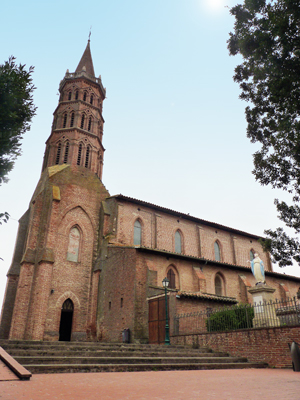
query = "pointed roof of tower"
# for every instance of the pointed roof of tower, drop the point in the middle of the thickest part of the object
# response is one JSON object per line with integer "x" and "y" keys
{"x": 86, "y": 61}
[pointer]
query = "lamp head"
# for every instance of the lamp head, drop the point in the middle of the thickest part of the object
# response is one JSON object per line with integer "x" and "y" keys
{"x": 165, "y": 282}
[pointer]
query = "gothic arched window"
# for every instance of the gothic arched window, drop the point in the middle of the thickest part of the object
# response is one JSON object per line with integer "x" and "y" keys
{"x": 217, "y": 251}
{"x": 72, "y": 119}
{"x": 252, "y": 255}
{"x": 90, "y": 124}
{"x": 76, "y": 95}
{"x": 70, "y": 95}
{"x": 137, "y": 233}
{"x": 66, "y": 153}
{"x": 65, "y": 120}
{"x": 74, "y": 243}
{"x": 79, "y": 154}
{"x": 219, "y": 285}
{"x": 91, "y": 99}
{"x": 87, "y": 157}
{"x": 171, "y": 278}
{"x": 82, "y": 122}
{"x": 58, "y": 153}
{"x": 84, "y": 96}
{"x": 178, "y": 242}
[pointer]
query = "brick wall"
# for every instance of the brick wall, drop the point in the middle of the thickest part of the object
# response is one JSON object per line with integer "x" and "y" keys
{"x": 264, "y": 344}
{"x": 158, "y": 231}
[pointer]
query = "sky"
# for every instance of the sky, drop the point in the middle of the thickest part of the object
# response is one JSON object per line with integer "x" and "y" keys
{"x": 175, "y": 130}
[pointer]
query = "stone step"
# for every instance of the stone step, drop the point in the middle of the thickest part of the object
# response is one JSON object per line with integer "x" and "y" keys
{"x": 67, "y": 368}
{"x": 72, "y": 346}
{"x": 104, "y": 353}
{"x": 54, "y": 357}
{"x": 127, "y": 360}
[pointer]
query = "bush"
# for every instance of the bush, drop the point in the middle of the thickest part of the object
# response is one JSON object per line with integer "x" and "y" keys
{"x": 239, "y": 317}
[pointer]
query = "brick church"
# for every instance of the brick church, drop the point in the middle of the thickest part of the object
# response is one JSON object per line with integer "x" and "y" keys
{"x": 87, "y": 264}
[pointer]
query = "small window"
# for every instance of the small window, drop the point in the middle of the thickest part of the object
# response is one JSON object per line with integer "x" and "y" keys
{"x": 58, "y": 153}
{"x": 137, "y": 234}
{"x": 72, "y": 119}
{"x": 84, "y": 96}
{"x": 121, "y": 305}
{"x": 87, "y": 157}
{"x": 171, "y": 278}
{"x": 66, "y": 153}
{"x": 218, "y": 285}
{"x": 76, "y": 95}
{"x": 251, "y": 255}
{"x": 82, "y": 121}
{"x": 91, "y": 99}
{"x": 65, "y": 120}
{"x": 73, "y": 248}
{"x": 217, "y": 251}
{"x": 79, "y": 154}
{"x": 70, "y": 96}
{"x": 90, "y": 124}
{"x": 178, "y": 244}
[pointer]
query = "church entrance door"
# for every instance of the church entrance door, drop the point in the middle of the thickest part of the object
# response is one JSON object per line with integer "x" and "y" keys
{"x": 65, "y": 328}
{"x": 157, "y": 320}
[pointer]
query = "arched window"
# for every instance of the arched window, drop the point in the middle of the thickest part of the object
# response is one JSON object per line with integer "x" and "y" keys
{"x": 87, "y": 157}
{"x": 137, "y": 233}
{"x": 76, "y": 95}
{"x": 79, "y": 154}
{"x": 70, "y": 95}
{"x": 82, "y": 121}
{"x": 219, "y": 285}
{"x": 90, "y": 124}
{"x": 65, "y": 120}
{"x": 178, "y": 242}
{"x": 91, "y": 99}
{"x": 74, "y": 242}
{"x": 171, "y": 278}
{"x": 58, "y": 153}
{"x": 217, "y": 251}
{"x": 252, "y": 255}
{"x": 84, "y": 96}
{"x": 72, "y": 119}
{"x": 66, "y": 153}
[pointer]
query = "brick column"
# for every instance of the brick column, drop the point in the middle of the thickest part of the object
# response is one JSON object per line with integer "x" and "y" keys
{"x": 39, "y": 305}
{"x": 22, "y": 301}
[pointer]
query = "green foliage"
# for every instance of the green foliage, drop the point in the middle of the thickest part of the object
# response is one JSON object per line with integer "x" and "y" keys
{"x": 266, "y": 35}
{"x": 16, "y": 112}
{"x": 239, "y": 317}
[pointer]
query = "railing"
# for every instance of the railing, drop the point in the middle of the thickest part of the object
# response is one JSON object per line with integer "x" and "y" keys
{"x": 242, "y": 316}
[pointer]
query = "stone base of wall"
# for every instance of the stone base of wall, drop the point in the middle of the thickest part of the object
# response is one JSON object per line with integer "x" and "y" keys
{"x": 268, "y": 345}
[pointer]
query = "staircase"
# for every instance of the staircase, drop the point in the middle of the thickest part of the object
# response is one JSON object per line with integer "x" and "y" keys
{"x": 56, "y": 357}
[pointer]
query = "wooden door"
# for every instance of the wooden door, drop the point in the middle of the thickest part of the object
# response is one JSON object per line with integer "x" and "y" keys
{"x": 157, "y": 320}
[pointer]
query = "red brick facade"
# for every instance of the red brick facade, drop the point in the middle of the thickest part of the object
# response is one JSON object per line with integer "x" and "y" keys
{"x": 93, "y": 261}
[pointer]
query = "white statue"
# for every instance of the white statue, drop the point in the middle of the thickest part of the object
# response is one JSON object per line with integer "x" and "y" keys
{"x": 257, "y": 268}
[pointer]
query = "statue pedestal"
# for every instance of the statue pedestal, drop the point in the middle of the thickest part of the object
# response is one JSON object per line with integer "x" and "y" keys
{"x": 264, "y": 310}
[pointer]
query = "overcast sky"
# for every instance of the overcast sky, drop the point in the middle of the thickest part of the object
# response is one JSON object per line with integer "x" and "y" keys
{"x": 175, "y": 131}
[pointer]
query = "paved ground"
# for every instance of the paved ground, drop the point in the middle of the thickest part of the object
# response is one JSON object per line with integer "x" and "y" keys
{"x": 251, "y": 384}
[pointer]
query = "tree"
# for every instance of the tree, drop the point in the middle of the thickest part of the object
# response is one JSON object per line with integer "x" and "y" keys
{"x": 267, "y": 35}
{"x": 16, "y": 112}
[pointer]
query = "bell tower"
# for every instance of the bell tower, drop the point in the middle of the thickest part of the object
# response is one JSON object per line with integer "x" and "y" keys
{"x": 52, "y": 283}
{"x": 77, "y": 129}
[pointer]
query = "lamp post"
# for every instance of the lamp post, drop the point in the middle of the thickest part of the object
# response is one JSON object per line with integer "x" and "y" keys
{"x": 165, "y": 283}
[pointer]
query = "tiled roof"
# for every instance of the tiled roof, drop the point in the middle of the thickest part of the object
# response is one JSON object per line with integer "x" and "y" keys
{"x": 186, "y": 216}
{"x": 207, "y": 296}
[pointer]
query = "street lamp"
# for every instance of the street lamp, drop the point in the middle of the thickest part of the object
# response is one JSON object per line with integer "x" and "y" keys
{"x": 165, "y": 283}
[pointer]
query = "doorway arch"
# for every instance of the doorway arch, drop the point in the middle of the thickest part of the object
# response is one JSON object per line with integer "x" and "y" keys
{"x": 66, "y": 318}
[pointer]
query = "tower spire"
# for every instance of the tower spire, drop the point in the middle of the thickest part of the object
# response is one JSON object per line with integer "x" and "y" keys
{"x": 86, "y": 62}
